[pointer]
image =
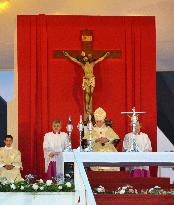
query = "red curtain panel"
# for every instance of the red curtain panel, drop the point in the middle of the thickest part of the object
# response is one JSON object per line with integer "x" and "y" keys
{"x": 51, "y": 88}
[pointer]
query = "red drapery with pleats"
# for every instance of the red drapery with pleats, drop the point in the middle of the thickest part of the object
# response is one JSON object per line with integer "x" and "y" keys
{"x": 51, "y": 88}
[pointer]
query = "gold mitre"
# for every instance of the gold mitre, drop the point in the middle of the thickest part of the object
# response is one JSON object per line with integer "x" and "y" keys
{"x": 99, "y": 114}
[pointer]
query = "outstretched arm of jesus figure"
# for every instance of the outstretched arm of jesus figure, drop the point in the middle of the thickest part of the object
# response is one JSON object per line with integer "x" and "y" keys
{"x": 102, "y": 58}
{"x": 65, "y": 53}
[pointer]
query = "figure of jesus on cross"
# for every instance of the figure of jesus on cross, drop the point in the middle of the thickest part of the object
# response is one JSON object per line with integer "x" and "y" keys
{"x": 88, "y": 84}
{"x": 87, "y": 58}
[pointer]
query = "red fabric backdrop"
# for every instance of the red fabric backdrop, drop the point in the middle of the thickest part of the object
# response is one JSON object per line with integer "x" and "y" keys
{"x": 51, "y": 88}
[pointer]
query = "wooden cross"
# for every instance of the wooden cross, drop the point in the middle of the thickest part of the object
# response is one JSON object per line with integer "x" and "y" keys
{"x": 87, "y": 49}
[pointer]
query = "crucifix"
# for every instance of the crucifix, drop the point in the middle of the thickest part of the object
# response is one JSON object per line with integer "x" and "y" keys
{"x": 87, "y": 58}
{"x": 134, "y": 122}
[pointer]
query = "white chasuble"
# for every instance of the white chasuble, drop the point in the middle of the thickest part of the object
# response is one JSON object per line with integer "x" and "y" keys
{"x": 105, "y": 132}
{"x": 10, "y": 156}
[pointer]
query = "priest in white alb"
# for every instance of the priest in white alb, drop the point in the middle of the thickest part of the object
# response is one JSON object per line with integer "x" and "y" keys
{"x": 143, "y": 144}
{"x": 10, "y": 161}
{"x": 54, "y": 144}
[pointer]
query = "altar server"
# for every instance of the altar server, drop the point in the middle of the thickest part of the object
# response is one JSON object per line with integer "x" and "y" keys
{"x": 10, "y": 161}
{"x": 54, "y": 144}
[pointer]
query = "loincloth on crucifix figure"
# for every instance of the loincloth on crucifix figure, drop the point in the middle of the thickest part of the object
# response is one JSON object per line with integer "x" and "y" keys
{"x": 88, "y": 86}
{"x": 87, "y": 63}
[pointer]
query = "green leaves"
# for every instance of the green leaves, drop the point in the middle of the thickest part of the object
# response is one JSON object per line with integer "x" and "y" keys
{"x": 38, "y": 186}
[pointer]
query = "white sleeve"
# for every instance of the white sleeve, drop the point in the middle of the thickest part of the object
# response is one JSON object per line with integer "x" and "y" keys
{"x": 45, "y": 141}
{"x": 17, "y": 160}
{"x": 46, "y": 146}
{"x": 66, "y": 141}
{"x": 1, "y": 159}
{"x": 148, "y": 147}
{"x": 125, "y": 143}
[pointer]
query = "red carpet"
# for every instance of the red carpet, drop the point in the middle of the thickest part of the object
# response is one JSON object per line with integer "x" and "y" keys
{"x": 117, "y": 179}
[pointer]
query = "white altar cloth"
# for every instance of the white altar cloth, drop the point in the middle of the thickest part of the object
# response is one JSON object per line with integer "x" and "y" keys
{"x": 43, "y": 198}
{"x": 123, "y": 158}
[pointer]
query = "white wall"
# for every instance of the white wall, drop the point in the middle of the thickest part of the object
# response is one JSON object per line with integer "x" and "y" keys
{"x": 163, "y": 145}
{"x": 12, "y": 106}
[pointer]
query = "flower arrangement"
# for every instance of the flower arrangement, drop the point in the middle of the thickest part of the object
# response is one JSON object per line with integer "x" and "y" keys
{"x": 35, "y": 186}
{"x": 100, "y": 190}
{"x": 128, "y": 189}
{"x": 158, "y": 190}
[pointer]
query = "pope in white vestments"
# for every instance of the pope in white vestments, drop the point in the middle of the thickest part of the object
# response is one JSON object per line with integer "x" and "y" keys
{"x": 54, "y": 144}
{"x": 103, "y": 137}
{"x": 10, "y": 161}
{"x": 144, "y": 145}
